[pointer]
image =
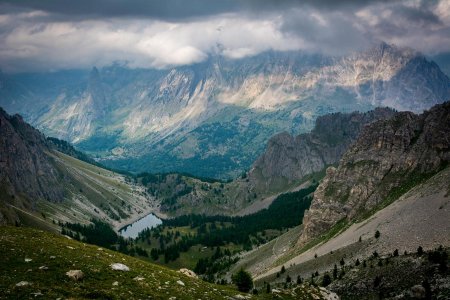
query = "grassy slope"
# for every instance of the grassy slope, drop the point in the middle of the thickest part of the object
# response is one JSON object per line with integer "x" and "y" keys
{"x": 95, "y": 192}
{"x": 60, "y": 255}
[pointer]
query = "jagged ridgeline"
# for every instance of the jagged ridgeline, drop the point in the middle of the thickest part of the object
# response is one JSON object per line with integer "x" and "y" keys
{"x": 212, "y": 119}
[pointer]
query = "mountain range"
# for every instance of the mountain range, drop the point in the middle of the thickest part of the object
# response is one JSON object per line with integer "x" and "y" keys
{"x": 213, "y": 119}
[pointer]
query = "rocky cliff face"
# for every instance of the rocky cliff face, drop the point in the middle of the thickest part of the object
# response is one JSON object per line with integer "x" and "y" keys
{"x": 288, "y": 158}
{"x": 389, "y": 157}
{"x": 25, "y": 169}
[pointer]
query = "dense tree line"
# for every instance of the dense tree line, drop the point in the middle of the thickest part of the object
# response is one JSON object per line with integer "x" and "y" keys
{"x": 98, "y": 233}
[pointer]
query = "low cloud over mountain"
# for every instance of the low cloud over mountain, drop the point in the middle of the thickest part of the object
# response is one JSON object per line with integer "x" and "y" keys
{"x": 47, "y": 35}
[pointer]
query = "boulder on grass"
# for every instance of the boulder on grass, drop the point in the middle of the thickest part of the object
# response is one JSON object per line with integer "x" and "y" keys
{"x": 75, "y": 274}
{"x": 119, "y": 267}
{"x": 188, "y": 273}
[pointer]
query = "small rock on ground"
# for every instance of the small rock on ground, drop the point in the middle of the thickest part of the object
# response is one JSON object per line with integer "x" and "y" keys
{"x": 75, "y": 274}
{"x": 180, "y": 282}
{"x": 23, "y": 283}
{"x": 119, "y": 267}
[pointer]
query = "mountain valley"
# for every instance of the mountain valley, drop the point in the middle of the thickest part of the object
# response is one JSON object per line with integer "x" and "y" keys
{"x": 235, "y": 150}
{"x": 305, "y": 176}
{"x": 74, "y": 189}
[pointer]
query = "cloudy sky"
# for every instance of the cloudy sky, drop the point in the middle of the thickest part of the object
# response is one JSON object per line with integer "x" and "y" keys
{"x": 56, "y": 34}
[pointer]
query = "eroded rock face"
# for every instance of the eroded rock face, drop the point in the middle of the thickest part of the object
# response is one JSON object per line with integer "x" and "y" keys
{"x": 289, "y": 158}
{"x": 388, "y": 158}
{"x": 25, "y": 169}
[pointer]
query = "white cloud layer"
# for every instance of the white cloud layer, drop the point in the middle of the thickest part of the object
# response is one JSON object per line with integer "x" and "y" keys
{"x": 40, "y": 40}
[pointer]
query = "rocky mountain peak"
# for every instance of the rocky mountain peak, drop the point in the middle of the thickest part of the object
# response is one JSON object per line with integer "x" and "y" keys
{"x": 385, "y": 50}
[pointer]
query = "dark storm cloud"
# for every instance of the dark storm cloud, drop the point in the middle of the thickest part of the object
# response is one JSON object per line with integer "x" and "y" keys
{"x": 174, "y": 9}
{"x": 329, "y": 32}
{"x": 168, "y": 9}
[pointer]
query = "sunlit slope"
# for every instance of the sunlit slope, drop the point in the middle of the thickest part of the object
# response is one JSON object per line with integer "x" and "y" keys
{"x": 93, "y": 192}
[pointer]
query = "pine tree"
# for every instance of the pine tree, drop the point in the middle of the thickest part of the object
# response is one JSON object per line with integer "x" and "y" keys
{"x": 377, "y": 234}
{"x": 427, "y": 287}
{"x": 242, "y": 280}
{"x": 420, "y": 251}
{"x": 326, "y": 280}
{"x": 376, "y": 281}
